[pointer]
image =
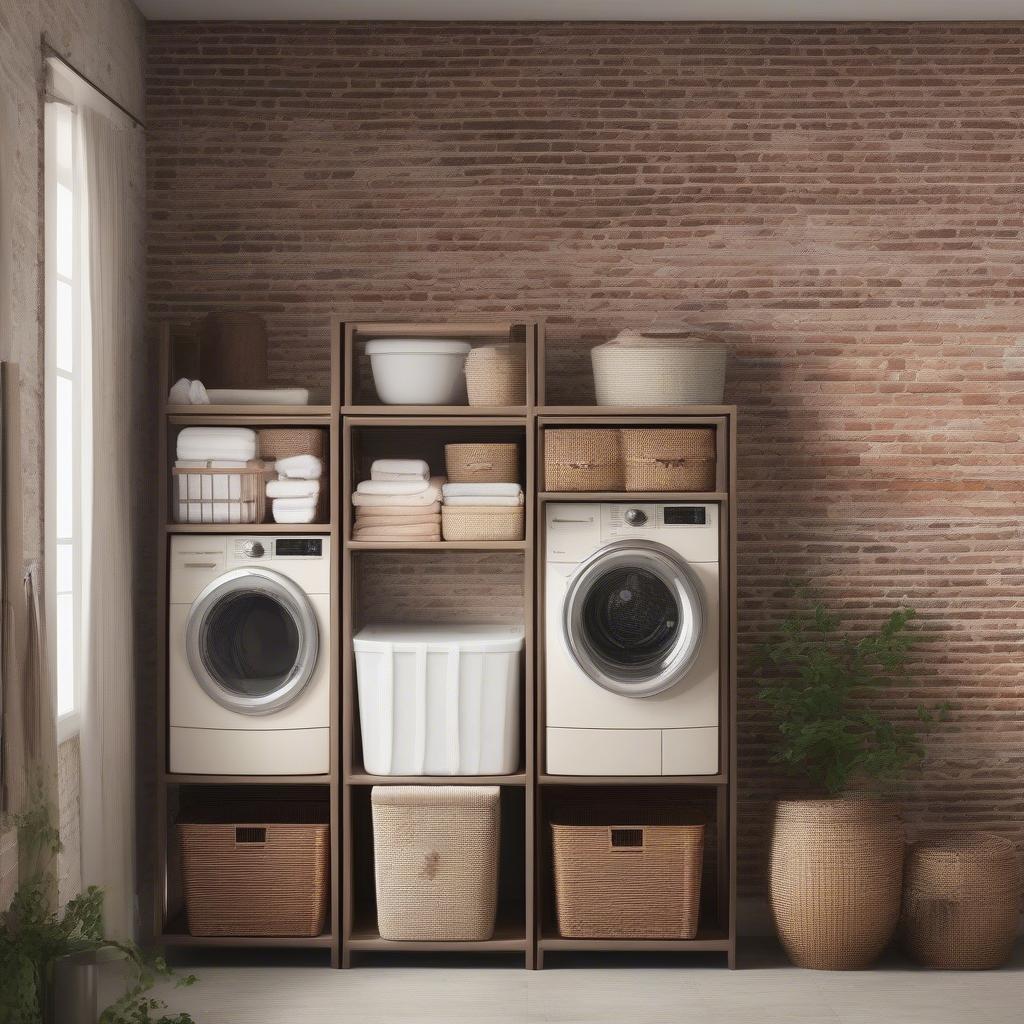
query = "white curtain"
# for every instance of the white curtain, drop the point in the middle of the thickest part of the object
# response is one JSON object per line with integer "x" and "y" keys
{"x": 112, "y": 212}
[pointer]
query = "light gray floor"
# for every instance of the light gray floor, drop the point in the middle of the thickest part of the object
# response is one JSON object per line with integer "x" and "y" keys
{"x": 764, "y": 991}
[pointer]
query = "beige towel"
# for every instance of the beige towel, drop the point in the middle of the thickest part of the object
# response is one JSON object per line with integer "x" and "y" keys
{"x": 385, "y": 521}
{"x": 426, "y": 532}
{"x": 392, "y": 486}
{"x": 399, "y": 511}
{"x": 430, "y": 496}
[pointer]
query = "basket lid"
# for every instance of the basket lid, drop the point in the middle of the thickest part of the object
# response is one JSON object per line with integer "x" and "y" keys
{"x": 657, "y": 337}
{"x": 480, "y": 639}
{"x": 417, "y": 346}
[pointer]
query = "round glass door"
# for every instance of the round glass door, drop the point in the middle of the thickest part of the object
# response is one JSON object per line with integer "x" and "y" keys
{"x": 633, "y": 618}
{"x": 252, "y": 641}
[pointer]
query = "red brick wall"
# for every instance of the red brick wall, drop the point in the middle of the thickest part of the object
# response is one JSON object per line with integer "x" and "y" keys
{"x": 842, "y": 203}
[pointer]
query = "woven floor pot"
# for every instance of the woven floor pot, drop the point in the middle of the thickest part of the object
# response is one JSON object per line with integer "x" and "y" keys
{"x": 496, "y": 375}
{"x": 436, "y": 861}
{"x": 483, "y": 522}
{"x": 836, "y": 873}
{"x": 961, "y": 895}
{"x": 667, "y": 459}
{"x": 483, "y": 463}
{"x": 582, "y": 460}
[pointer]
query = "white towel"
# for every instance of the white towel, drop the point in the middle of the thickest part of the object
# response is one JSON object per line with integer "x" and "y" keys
{"x": 392, "y": 486}
{"x": 457, "y": 490}
{"x": 293, "y": 488}
{"x": 399, "y": 469}
{"x": 197, "y": 393}
{"x": 299, "y": 467}
{"x": 216, "y": 443}
{"x": 293, "y": 515}
{"x": 258, "y": 396}
{"x": 179, "y": 393}
{"x": 425, "y": 497}
{"x": 485, "y": 499}
{"x": 290, "y": 504}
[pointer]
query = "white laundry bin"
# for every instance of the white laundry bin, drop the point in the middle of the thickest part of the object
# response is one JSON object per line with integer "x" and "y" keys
{"x": 439, "y": 700}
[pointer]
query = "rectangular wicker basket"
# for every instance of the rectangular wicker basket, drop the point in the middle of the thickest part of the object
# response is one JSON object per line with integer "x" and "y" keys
{"x": 482, "y": 463}
{"x": 482, "y": 522}
{"x": 585, "y": 459}
{"x": 256, "y": 878}
{"x": 668, "y": 459}
{"x": 206, "y": 494}
{"x": 629, "y": 881}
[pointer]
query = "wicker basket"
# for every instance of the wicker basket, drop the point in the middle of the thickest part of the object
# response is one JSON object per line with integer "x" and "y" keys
{"x": 496, "y": 375}
{"x": 436, "y": 861}
{"x": 482, "y": 522}
{"x": 255, "y": 878}
{"x": 667, "y": 459}
{"x": 631, "y": 881}
{"x": 283, "y": 442}
{"x": 582, "y": 460}
{"x": 208, "y": 495}
{"x": 961, "y": 893}
{"x": 482, "y": 463}
{"x": 836, "y": 870}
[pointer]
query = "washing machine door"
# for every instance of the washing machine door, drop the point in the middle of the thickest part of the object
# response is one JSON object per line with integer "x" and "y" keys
{"x": 252, "y": 640}
{"x": 633, "y": 617}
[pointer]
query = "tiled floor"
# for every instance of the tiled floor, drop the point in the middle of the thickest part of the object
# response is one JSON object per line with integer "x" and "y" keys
{"x": 764, "y": 991}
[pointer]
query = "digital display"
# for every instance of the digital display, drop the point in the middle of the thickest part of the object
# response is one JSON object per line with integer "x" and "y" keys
{"x": 309, "y": 547}
{"x": 686, "y": 515}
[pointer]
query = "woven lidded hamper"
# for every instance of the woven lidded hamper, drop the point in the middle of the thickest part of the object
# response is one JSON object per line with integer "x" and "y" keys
{"x": 633, "y": 880}
{"x": 256, "y": 877}
{"x": 436, "y": 861}
{"x": 668, "y": 459}
{"x": 482, "y": 522}
{"x": 961, "y": 895}
{"x": 482, "y": 463}
{"x": 588, "y": 459}
{"x": 496, "y": 375}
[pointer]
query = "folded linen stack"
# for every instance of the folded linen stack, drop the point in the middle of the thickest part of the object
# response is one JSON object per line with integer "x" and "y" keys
{"x": 400, "y": 502}
{"x": 295, "y": 493}
{"x": 205, "y": 497}
{"x": 483, "y": 511}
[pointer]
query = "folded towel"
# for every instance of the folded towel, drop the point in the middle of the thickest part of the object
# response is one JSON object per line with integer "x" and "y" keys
{"x": 398, "y": 511}
{"x": 179, "y": 393}
{"x": 392, "y": 486}
{"x": 428, "y": 532}
{"x": 288, "y": 504}
{"x": 293, "y": 488}
{"x": 459, "y": 490}
{"x": 426, "y": 497}
{"x": 294, "y": 515}
{"x": 374, "y": 521}
{"x": 485, "y": 499}
{"x": 259, "y": 396}
{"x": 197, "y": 393}
{"x": 300, "y": 467}
{"x": 216, "y": 443}
{"x": 399, "y": 469}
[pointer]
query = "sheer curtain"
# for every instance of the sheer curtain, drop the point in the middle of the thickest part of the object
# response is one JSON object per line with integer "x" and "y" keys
{"x": 111, "y": 343}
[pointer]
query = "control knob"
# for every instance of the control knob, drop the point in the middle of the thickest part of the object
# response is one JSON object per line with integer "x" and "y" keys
{"x": 636, "y": 516}
{"x": 252, "y": 549}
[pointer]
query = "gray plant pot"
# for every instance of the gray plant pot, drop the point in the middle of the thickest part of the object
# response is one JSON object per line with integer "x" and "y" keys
{"x": 72, "y": 997}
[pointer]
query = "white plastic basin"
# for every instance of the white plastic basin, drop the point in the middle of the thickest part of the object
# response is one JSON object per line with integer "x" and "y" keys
{"x": 419, "y": 371}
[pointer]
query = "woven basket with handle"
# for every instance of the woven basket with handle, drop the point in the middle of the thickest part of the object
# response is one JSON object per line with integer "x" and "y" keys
{"x": 482, "y": 463}
{"x": 585, "y": 459}
{"x": 667, "y": 459}
{"x": 961, "y": 893}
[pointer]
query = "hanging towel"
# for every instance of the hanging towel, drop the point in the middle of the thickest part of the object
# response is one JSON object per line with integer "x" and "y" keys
{"x": 300, "y": 467}
{"x": 392, "y": 486}
{"x": 485, "y": 499}
{"x": 293, "y": 488}
{"x": 399, "y": 469}
{"x": 398, "y": 511}
{"x": 425, "y": 497}
{"x": 493, "y": 490}
{"x": 217, "y": 443}
{"x": 294, "y": 515}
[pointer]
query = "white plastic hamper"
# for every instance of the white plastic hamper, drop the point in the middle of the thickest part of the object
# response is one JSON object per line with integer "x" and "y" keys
{"x": 439, "y": 700}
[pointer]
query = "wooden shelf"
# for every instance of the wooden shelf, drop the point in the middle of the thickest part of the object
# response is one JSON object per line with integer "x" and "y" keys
{"x": 634, "y": 412}
{"x": 509, "y": 937}
{"x": 359, "y": 777}
{"x": 367, "y": 330}
{"x": 442, "y": 545}
{"x": 633, "y": 780}
{"x": 180, "y": 779}
{"x": 634, "y": 497}
{"x": 309, "y": 528}
{"x": 518, "y": 411}
{"x": 712, "y": 940}
{"x": 175, "y": 933}
{"x": 204, "y": 412}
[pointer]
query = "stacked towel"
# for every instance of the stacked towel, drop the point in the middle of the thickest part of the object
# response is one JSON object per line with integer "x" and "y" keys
{"x": 206, "y": 443}
{"x": 213, "y": 497}
{"x": 400, "y": 502}
{"x": 295, "y": 493}
{"x": 486, "y": 495}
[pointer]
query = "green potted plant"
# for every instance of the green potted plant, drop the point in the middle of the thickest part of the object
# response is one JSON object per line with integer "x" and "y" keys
{"x": 40, "y": 947}
{"x": 836, "y": 860}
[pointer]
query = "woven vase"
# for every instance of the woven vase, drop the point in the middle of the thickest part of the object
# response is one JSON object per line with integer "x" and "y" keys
{"x": 836, "y": 874}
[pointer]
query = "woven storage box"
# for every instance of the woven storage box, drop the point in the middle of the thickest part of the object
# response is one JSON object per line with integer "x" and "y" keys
{"x": 207, "y": 495}
{"x": 681, "y": 368}
{"x": 496, "y": 375}
{"x": 482, "y": 463}
{"x": 582, "y": 460}
{"x": 255, "y": 877}
{"x": 482, "y": 522}
{"x": 630, "y": 881}
{"x": 436, "y": 861}
{"x": 961, "y": 893}
{"x": 666, "y": 459}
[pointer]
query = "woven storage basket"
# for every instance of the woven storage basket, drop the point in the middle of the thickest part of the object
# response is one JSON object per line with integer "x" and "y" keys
{"x": 255, "y": 877}
{"x": 836, "y": 871}
{"x": 496, "y": 375}
{"x": 666, "y": 459}
{"x": 961, "y": 894}
{"x": 482, "y": 522}
{"x": 582, "y": 460}
{"x": 634, "y": 881}
{"x": 482, "y": 463}
{"x": 635, "y": 368}
{"x": 436, "y": 861}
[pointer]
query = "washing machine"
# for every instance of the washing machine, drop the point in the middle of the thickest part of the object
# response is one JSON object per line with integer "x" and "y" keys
{"x": 249, "y": 655}
{"x": 632, "y": 644}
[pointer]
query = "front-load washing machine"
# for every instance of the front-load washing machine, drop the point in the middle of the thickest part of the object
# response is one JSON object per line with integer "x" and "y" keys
{"x": 631, "y": 618}
{"x": 249, "y": 655}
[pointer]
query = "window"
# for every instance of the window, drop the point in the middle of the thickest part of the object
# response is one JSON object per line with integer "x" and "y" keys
{"x": 65, "y": 437}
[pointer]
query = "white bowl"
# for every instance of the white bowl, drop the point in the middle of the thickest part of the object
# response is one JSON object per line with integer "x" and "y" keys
{"x": 419, "y": 371}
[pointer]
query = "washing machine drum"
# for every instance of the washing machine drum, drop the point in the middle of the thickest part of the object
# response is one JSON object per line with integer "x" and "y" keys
{"x": 252, "y": 640}
{"x": 633, "y": 618}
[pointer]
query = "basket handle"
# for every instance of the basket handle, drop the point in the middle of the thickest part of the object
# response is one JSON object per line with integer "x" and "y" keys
{"x": 249, "y": 835}
{"x": 627, "y": 838}
{"x": 477, "y": 466}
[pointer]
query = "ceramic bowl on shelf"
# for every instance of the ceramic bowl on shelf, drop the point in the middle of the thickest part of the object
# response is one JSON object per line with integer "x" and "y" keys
{"x": 419, "y": 371}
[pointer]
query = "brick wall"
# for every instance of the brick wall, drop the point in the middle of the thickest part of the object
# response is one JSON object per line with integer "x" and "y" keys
{"x": 841, "y": 203}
